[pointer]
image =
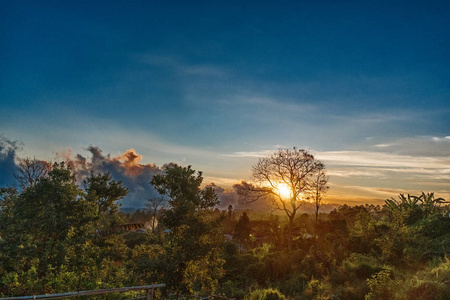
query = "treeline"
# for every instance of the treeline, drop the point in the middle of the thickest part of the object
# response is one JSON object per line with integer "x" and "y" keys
{"x": 353, "y": 252}
{"x": 50, "y": 243}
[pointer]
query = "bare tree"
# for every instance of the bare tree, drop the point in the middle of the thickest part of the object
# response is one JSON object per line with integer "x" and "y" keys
{"x": 318, "y": 188}
{"x": 286, "y": 178}
{"x": 30, "y": 170}
{"x": 153, "y": 206}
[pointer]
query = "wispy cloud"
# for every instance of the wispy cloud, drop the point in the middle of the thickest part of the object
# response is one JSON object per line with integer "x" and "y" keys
{"x": 252, "y": 154}
{"x": 383, "y": 145}
{"x": 202, "y": 70}
{"x": 439, "y": 139}
{"x": 415, "y": 146}
{"x": 365, "y": 159}
{"x": 355, "y": 173}
{"x": 380, "y": 159}
{"x": 176, "y": 65}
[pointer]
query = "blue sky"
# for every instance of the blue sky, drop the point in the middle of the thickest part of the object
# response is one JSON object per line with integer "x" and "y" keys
{"x": 365, "y": 85}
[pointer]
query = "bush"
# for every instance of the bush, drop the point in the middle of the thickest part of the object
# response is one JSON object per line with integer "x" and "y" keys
{"x": 427, "y": 290}
{"x": 381, "y": 285}
{"x": 266, "y": 294}
{"x": 442, "y": 271}
{"x": 361, "y": 266}
{"x": 294, "y": 286}
{"x": 232, "y": 290}
{"x": 317, "y": 289}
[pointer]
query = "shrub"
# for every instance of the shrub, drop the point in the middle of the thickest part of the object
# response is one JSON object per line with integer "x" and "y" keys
{"x": 427, "y": 290}
{"x": 442, "y": 271}
{"x": 317, "y": 289}
{"x": 381, "y": 285}
{"x": 294, "y": 286}
{"x": 266, "y": 294}
{"x": 362, "y": 266}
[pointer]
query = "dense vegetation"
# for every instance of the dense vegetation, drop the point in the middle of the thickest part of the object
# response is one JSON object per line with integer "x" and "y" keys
{"x": 54, "y": 238}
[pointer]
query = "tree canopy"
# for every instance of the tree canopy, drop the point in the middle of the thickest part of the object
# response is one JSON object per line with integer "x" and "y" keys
{"x": 288, "y": 177}
{"x": 191, "y": 259}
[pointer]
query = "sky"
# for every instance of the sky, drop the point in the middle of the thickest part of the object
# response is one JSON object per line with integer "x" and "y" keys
{"x": 363, "y": 85}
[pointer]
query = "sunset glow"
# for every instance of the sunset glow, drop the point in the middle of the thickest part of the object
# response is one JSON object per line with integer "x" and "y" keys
{"x": 284, "y": 191}
{"x": 145, "y": 89}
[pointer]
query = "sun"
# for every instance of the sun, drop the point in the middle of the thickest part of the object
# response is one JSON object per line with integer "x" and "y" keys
{"x": 284, "y": 190}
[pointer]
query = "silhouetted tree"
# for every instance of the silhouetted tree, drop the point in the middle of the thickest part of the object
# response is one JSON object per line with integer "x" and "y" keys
{"x": 286, "y": 177}
{"x": 242, "y": 230}
{"x": 30, "y": 171}
{"x": 153, "y": 205}
{"x": 318, "y": 188}
{"x": 230, "y": 211}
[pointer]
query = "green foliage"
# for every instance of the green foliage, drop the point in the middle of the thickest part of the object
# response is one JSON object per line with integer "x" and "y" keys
{"x": 414, "y": 208}
{"x": 427, "y": 290}
{"x": 266, "y": 294}
{"x": 48, "y": 238}
{"x": 381, "y": 285}
{"x": 317, "y": 289}
{"x": 43, "y": 221}
{"x": 104, "y": 193}
{"x": 190, "y": 262}
{"x": 294, "y": 286}
{"x": 429, "y": 283}
{"x": 361, "y": 266}
{"x": 442, "y": 271}
{"x": 242, "y": 230}
{"x": 49, "y": 244}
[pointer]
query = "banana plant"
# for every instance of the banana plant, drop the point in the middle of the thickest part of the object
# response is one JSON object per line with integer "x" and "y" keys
{"x": 429, "y": 204}
{"x": 426, "y": 203}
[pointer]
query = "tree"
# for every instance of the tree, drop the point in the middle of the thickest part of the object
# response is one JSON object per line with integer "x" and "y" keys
{"x": 47, "y": 234}
{"x": 414, "y": 208}
{"x": 242, "y": 231}
{"x": 319, "y": 187}
{"x": 287, "y": 178}
{"x": 30, "y": 171}
{"x": 153, "y": 205}
{"x": 40, "y": 224}
{"x": 190, "y": 262}
{"x": 105, "y": 193}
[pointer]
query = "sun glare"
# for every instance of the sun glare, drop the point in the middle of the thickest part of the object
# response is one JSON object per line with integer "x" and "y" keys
{"x": 284, "y": 191}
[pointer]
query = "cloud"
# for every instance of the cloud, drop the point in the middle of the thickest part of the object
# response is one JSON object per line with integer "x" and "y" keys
{"x": 201, "y": 70}
{"x": 126, "y": 167}
{"x": 370, "y": 176}
{"x": 227, "y": 197}
{"x": 253, "y": 154}
{"x": 445, "y": 139}
{"x": 180, "y": 68}
{"x": 8, "y": 155}
{"x": 380, "y": 159}
{"x": 415, "y": 146}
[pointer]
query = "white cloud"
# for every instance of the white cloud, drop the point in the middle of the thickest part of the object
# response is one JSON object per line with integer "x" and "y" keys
{"x": 445, "y": 139}
{"x": 415, "y": 146}
{"x": 253, "y": 154}
{"x": 176, "y": 65}
{"x": 381, "y": 159}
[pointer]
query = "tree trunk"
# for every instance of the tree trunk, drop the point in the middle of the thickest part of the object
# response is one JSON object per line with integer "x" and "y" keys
{"x": 290, "y": 232}
{"x": 153, "y": 222}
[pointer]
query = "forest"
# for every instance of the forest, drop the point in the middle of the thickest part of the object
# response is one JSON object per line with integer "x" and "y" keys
{"x": 61, "y": 235}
